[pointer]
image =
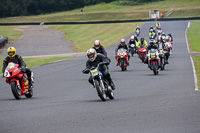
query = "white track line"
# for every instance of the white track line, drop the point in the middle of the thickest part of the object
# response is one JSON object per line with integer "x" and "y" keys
{"x": 193, "y": 67}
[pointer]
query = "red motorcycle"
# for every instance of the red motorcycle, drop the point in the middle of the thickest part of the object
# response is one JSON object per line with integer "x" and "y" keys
{"x": 18, "y": 81}
{"x": 142, "y": 52}
{"x": 122, "y": 59}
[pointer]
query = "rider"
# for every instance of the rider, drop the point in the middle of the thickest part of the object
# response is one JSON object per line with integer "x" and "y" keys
{"x": 171, "y": 38}
{"x": 99, "y": 48}
{"x": 138, "y": 28}
{"x": 158, "y": 26}
{"x": 132, "y": 40}
{"x": 17, "y": 59}
{"x": 136, "y": 38}
{"x": 152, "y": 34}
{"x": 124, "y": 46}
{"x": 152, "y": 45}
{"x": 94, "y": 59}
{"x": 142, "y": 42}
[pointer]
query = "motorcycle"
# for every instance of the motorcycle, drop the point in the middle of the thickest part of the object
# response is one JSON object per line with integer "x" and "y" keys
{"x": 132, "y": 49}
{"x": 100, "y": 83}
{"x": 122, "y": 58}
{"x": 162, "y": 59}
{"x": 142, "y": 52}
{"x": 18, "y": 81}
{"x": 154, "y": 61}
{"x": 137, "y": 32}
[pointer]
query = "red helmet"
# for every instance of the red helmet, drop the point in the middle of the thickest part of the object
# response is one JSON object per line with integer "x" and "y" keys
{"x": 97, "y": 44}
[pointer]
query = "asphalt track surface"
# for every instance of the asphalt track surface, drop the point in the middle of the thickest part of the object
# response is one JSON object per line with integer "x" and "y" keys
{"x": 64, "y": 101}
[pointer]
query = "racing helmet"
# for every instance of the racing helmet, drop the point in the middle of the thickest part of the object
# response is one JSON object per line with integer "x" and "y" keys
{"x": 97, "y": 44}
{"x": 142, "y": 40}
{"x": 91, "y": 54}
{"x": 122, "y": 42}
{"x": 152, "y": 42}
{"x": 11, "y": 52}
{"x": 132, "y": 37}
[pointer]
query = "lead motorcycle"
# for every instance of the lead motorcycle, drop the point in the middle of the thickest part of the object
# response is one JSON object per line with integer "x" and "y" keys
{"x": 122, "y": 59}
{"x": 101, "y": 84}
{"x": 154, "y": 61}
{"x": 18, "y": 81}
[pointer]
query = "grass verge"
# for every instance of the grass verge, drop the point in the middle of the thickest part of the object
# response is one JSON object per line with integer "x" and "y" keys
{"x": 193, "y": 35}
{"x": 83, "y": 36}
{"x": 115, "y": 11}
{"x": 193, "y": 38}
{"x": 196, "y": 59}
{"x": 10, "y": 32}
{"x": 31, "y": 62}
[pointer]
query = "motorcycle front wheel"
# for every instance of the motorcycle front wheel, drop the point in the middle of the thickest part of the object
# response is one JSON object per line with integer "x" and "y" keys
{"x": 122, "y": 64}
{"x": 15, "y": 90}
{"x": 155, "y": 71}
{"x": 100, "y": 90}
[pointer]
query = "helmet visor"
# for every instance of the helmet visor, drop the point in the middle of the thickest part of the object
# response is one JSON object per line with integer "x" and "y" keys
{"x": 11, "y": 53}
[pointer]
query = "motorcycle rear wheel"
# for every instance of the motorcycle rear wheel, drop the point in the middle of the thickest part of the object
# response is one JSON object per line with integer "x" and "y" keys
{"x": 16, "y": 92}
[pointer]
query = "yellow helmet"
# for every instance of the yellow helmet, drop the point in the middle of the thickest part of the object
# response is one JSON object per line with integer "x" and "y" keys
{"x": 11, "y": 50}
{"x": 91, "y": 54}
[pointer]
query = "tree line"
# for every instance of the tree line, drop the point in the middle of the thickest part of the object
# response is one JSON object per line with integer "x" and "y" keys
{"x": 10, "y": 8}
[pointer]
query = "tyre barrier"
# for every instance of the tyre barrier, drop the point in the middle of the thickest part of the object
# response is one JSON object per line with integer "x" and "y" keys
{"x": 3, "y": 41}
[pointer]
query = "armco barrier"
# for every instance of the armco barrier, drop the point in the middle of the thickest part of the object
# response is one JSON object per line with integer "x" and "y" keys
{"x": 103, "y": 22}
{"x": 3, "y": 41}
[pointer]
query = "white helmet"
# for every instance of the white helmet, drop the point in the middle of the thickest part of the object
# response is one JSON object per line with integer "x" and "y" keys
{"x": 132, "y": 37}
{"x": 91, "y": 54}
{"x": 97, "y": 44}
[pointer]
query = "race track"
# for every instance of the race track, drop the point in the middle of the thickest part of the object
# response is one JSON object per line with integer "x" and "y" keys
{"x": 64, "y": 101}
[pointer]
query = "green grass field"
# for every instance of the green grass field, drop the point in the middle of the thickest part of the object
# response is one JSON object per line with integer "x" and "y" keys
{"x": 114, "y": 11}
{"x": 84, "y": 36}
{"x": 193, "y": 38}
{"x": 10, "y": 32}
{"x": 194, "y": 35}
{"x": 31, "y": 62}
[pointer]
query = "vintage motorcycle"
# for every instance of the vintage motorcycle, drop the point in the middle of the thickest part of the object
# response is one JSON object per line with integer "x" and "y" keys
{"x": 101, "y": 84}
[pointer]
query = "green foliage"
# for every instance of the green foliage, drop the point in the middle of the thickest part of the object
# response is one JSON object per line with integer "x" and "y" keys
{"x": 10, "y": 8}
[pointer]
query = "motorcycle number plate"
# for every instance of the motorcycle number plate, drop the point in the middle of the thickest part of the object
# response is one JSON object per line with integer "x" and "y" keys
{"x": 153, "y": 55}
{"x": 121, "y": 54}
{"x": 6, "y": 74}
{"x": 94, "y": 72}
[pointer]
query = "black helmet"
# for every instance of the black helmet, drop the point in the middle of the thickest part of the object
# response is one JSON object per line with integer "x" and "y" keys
{"x": 142, "y": 40}
{"x": 152, "y": 42}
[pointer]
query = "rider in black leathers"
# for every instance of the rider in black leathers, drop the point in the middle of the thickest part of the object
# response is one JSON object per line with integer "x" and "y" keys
{"x": 99, "y": 48}
{"x": 124, "y": 46}
{"x": 17, "y": 59}
{"x": 94, "y": 59}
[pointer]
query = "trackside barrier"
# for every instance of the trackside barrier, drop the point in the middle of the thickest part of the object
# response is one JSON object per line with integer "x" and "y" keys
{"x": 104, "y": 22}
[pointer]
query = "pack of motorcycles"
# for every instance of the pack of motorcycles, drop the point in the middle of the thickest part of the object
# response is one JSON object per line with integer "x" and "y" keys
{"x": 104, "y": 90}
